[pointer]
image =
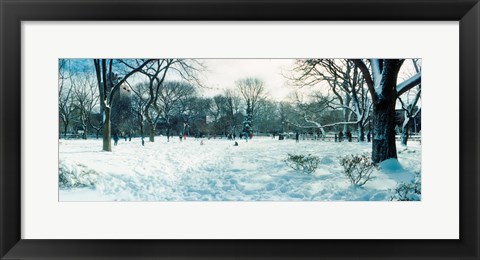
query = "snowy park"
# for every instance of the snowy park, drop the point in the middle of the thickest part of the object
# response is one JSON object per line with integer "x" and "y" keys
{"x": 172, "y": 130}
{"x": 219, "y": 171}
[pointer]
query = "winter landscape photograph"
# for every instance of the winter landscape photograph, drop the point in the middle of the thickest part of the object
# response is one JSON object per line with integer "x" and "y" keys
{"x": 173, "y": 130}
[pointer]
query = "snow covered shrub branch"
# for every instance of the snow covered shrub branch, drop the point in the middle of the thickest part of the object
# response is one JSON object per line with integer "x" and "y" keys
{"x": 358, "y": 168}
{"x": 71, "y": 175}
{"x": 305, "y": 163}
{"x": 408, "y": 191}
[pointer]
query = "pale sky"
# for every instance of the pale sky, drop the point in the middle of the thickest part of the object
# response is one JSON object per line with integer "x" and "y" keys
{"x": 222, "y": 74}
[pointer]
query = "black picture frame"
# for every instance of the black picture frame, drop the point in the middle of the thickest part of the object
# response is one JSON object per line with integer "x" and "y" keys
{"x": 13, "y": 12}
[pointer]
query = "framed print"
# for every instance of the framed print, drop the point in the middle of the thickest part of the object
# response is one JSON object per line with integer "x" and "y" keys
{"x": 239, "y": 129}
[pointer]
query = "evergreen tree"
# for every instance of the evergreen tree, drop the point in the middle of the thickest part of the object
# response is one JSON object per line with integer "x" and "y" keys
{"x": 247, "y": 125}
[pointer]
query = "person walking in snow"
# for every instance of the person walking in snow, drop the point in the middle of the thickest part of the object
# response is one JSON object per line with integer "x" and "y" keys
{"x": 368, "y": 136}
{"x": 296, "y": 137}
{"x": 115, "y": 139}
{"x": 340, "y": 136}
{"x": 349, "y": 136}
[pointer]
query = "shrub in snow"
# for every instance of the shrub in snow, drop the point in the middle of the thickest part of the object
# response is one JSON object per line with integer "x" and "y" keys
{"x": 358, "y": 168}
{"x": 75, "y": 175}
{"x": 305, "y": 163}
{"x": 408, "y": 191}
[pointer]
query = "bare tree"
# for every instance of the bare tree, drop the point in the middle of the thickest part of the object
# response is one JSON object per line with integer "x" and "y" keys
{"x": 139, "y": 102}
{"x": 193, "y": 111}
{"x": 381, "y": 79}
{"x": 66, "y": 105}
{"x": 267, "y": 119}
{"x": 156, "y": 73}
{"x": 252, "y": 90}
{"x": 309, "y": 111}
{"x": 218, "y": 110}
{"x": 346, "y": 83}
{"x": 410, "y": 105}
{"x": 85, "y": 93}
{"x": 170, "y": 95}
{"x": 108, "y": 84}
{"x": 232, "y": 103}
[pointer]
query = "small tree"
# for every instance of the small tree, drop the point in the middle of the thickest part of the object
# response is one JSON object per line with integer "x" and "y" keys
{"x": 408, "y": 191}
{"x": 247, "y": 126}
{"x": 305, "y": 163}
{"x": 358, "y": 168}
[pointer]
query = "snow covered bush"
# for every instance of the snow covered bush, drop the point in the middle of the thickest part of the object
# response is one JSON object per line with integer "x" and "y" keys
{"x": 358, "y": 168}
{"x": 71, "y": 175}
{"x": 305, "y": 163}
{"x": 408, "y": 191}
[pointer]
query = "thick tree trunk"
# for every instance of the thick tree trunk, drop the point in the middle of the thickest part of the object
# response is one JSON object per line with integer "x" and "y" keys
{"x": 107, "y": 134}
{"x": 383, "y": 144}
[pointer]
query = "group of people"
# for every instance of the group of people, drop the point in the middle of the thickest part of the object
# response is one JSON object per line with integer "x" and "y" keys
{"x": 341, "y": 136}
{"x": 116, "y": 137}
{"x": 180, "y": 137}
{"x": 348, "y": 136}
{"x": 338, "y": 137}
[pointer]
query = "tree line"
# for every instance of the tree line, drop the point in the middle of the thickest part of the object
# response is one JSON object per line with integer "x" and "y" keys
{"x": 148, "y": 97}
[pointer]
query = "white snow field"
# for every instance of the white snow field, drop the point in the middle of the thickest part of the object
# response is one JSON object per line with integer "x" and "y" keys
{"x": 219, "y": 171}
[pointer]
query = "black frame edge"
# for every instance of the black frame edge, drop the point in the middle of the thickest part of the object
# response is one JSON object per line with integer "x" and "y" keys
{"x": 13, "y": 12}
{"x": 10, "y": 138}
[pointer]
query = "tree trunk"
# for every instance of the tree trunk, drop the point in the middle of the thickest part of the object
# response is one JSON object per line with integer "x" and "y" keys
{"x": 345, "y": 119}
{"x": 141, "y": 130}
{"x": 65, "y": 129}
{"x": 98, "y": 132}
{"x": 107, "y": 134}
{"x": 360, "y": 132}
{"x": 405, "y": 133}
{"x": 383, "y": 144}
{"x": 84, "y": 135}
{"x": 151, "y": 128}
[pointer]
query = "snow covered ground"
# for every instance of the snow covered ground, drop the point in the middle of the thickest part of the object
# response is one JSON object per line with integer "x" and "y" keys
{"x": 219, "y": 171}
